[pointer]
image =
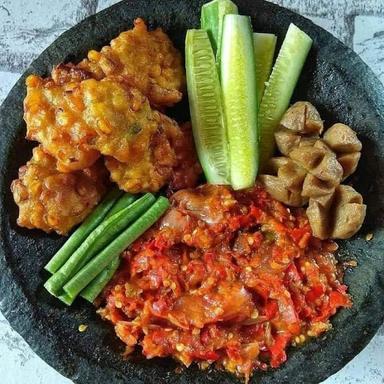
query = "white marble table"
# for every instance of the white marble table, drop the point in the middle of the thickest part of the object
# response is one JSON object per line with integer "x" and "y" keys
{"x": 29, "y": 26}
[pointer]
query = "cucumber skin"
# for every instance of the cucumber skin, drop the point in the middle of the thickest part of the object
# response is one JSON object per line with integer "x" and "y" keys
{"x": 218, "y": 173}
{"x": 238, "y": 79}
{"x": 212, "y": 15}
{"x": 264, "y": 46}
{"x": 280, "y": 87}
{"x": 208, "y": 22}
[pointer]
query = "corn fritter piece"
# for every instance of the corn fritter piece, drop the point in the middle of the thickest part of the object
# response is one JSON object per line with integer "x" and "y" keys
{"x": 54, "y": 117}
{"x": 154, "y": 167}
{"x": 55, "y": 201}
{"x": 147, "y": 60}
{"x": 121, "y": 117}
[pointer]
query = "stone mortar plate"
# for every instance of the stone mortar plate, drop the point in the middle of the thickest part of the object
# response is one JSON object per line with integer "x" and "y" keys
{"x": 334, "y": 79}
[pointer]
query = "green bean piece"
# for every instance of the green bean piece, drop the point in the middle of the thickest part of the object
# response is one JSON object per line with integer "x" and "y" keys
{"x": 93, "y": 289}
{"x": 96, "y": 241}
{"x": 66, "y": 299}
{"x": 88, "y": 225}
{"x": 138, "y": 207}
{"x": 114, "y": 249}
{"x": 123, "y": 202}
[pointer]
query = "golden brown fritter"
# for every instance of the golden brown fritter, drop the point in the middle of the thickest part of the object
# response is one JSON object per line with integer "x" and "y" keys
{"x": 147, "y": 60}
{"x": 72, "y": 116}
{"x": 170, "y": 158}
{"x": 54, "y": 116}
{"x": 188, "y": 169}
{"x": 76, "y": 121}
{"x": 66, "y": 73}
{"x": 55, "y": 201}
{"x": 121, "y": 118}
{"x": 152, "y": 169}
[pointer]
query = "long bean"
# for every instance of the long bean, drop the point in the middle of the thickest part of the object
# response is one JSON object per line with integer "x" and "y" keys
{"x": 105, "y": 257}
{"x": 96, "y": 241}
{"x": 88, "y": 225}
{"x": 124, "y": 201}
{"x": 93, "y": 289}
{"x": 66, "y": 299}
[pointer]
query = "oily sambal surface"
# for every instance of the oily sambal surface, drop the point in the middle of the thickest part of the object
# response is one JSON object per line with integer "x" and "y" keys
{"x": 225, "y": 277}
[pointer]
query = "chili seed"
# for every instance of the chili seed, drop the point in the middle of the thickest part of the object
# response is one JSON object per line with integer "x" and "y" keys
{"x": 369, "y": 237}
{"x": 82, "y": 327}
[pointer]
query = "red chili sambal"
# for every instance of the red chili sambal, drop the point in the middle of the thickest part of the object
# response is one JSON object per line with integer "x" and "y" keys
{"x": 225, "y": 277}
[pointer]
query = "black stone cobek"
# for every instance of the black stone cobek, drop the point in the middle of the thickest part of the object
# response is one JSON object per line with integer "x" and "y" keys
{"x": 334, "y": 79}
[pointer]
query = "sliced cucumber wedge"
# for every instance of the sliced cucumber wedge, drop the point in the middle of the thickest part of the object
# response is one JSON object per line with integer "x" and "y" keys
{"x": 238, "y": 81}
{"x": 206, "y": 107}
{"x": 264, "y": 45}
{"x": 212, "y": 15}
{"x": 280, "y": 86}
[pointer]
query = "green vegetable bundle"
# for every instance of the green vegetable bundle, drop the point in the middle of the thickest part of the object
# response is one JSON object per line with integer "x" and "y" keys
{"x": 235, "y": 100}
{"x": 90, "y": 257}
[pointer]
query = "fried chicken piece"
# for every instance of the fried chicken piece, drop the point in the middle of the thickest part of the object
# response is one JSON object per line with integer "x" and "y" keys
{"x": 147, "y": 60}
{"x": 55, "y": 201}
{"x": 53, "y": 113}
{"x": 153, "y": 168}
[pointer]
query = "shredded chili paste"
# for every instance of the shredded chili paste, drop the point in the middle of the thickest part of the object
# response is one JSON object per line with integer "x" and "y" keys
{"x": 231, "y": 278}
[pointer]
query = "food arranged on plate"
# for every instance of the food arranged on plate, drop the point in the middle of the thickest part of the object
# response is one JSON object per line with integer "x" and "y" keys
{"x": 225, "y": 277}
{"x": 311, "y": 171}
{"x": 227, "y": 268}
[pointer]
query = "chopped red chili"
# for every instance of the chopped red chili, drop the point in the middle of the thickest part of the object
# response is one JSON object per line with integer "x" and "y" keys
{"x": 227, "y": 277}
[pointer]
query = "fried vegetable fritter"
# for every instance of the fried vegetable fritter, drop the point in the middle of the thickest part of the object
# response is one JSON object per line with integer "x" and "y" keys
{"x": 55, "y": 201}
{"x": 77, "y": 121}
{"x": 73, "y": 116}
{"x": 147, "y": 60}
{"x": 104, "y": 106}
{"x": 66, "y": 73}
{"x": 121, "y": 118}
{"x": 170, "y": 158}
{"x": 152, "y": 168}
{"x": 54, "y": 116}
{"x": 188, "y": 169}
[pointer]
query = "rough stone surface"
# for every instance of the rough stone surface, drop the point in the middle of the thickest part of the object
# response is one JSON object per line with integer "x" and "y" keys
{"x": 102, "y": 4}
{"x": 359, "y": 24}
{"x": 7, "y": 81}
{"x": 368, "y": 42}
{"x": 342, "y": 12}
{"x": 19, "y": 364}
{"x": 28, "y": 26}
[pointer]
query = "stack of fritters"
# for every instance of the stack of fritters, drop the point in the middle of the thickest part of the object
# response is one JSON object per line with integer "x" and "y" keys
{"x": 105, "y": 105}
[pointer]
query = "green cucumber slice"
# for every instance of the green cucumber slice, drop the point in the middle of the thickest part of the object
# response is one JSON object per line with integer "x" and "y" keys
{"x": 212, "y": 15}
{"x": 264, "y": 45}
{"x": 238, "y": 81}
{"x": 205, "y": 104}
{"x": 280, "y": 86}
